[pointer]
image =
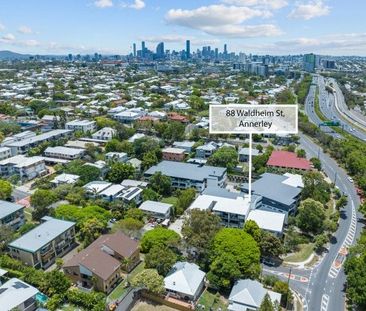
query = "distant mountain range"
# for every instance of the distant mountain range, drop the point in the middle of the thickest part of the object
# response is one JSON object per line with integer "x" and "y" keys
{"x": 9, "y": 55}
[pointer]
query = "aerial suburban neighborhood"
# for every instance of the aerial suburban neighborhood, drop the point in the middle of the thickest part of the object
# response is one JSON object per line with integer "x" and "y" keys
{"x": 116, "y": 195}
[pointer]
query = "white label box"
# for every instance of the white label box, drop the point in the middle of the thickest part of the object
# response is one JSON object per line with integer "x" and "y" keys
{"x": 255, "y": 119}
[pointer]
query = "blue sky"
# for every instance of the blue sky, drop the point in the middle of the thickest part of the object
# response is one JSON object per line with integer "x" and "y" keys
{"x": 335, "y": 27}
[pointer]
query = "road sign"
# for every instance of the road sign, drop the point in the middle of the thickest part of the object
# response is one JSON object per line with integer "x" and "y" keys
{"x": 330, "y": 123}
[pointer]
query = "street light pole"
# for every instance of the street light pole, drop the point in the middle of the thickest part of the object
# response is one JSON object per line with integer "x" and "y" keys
{"x": 288, "y": 288}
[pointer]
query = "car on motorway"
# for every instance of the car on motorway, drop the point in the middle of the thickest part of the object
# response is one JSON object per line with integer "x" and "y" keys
{"x": 350, "y": 179}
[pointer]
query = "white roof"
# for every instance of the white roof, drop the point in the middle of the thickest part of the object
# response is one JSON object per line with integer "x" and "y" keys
{"x": 14, "y": 292}
{"x": 136, "y": 136}
{"x": 155, "y": 207}
{"x": 65, "y": 178}
{"x": 294, "y": 180}
{"x": 112, "y": 190}
{"x": 239, "y": 206}
{"x": 97, "y": 186}
{"x": 64, "y": 150}
{"x": 79, "y": 122}
{"x": 21, "y": 161}
{"x": 134, "y": 183}
{"x": 267, "y": 220}
{"x": 184, "y": 278}
{"x": 173, "y": 150}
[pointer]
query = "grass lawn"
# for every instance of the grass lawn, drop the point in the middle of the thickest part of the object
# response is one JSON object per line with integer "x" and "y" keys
{"x": 170, "y": 200}
{"x": 121, "y": 288}
{"x": 118, "y": 291}
{"x": 303, "y": 254}
{"x": 210, "y": 300}
{"x": 138, "y": 269}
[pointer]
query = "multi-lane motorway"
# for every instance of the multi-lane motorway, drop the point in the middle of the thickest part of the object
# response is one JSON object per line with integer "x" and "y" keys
{"x": 333, "y": 107}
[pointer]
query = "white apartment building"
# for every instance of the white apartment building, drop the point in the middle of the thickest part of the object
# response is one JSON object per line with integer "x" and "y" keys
{"x": 5, "y": 153}
{"x": 66, "y": 153}
{"x": 80, "y": 125}
{"x": 26, "y": 168}
{"x": 106, "y": 133}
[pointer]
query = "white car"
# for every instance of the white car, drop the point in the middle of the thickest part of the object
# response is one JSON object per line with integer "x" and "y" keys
{"x": 350, "y": 179}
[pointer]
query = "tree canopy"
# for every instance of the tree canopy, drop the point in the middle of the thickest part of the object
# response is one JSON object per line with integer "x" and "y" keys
{"x": 311, "y": 216}
{"x": 159, "y": 237}
{"x": 234, "y": 254}
{"x": 150, "y": 280}
{"x": 224, "y": 157}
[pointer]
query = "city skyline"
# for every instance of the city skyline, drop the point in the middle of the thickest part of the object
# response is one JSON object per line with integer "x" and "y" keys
{"x": 252, "y": 26}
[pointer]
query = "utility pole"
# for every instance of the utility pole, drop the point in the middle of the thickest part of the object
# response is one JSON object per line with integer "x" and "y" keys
{"x": 288, "y": 288}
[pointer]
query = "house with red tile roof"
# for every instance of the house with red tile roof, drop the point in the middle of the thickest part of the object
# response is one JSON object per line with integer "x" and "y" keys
{"x": 288, "y": 161}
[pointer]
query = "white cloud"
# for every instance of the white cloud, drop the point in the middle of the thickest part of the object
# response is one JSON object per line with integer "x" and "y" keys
{"x": 2, "y": 27}
{"x": 222, "y": 20}
{"x": 25, "y": 30}
{"x": 335, "y": 44}
{"x": 271, "y": 4}
{"x": 103, "y": 3}
{"x": 213, "y": 15}
{"x": 310, "y": 10}
{"x": 137, "y": 5}
{"x": 30, "y": 43}
{"x": 8, "y": 38}
{"x": 244, "y": 31}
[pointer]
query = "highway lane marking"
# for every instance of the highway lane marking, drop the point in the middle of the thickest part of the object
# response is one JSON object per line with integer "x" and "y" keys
{"x": 343, "y": 251}
{"x": 325, "y": 302}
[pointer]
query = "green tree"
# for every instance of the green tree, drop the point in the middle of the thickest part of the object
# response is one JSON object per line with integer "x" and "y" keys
{"x": 224, "y": 157}
{"x": 311, "y": 216}
{"x": 159, "y": 237}
{"x": 286, "y": 97}
{"x": 356, "y": 274}
{"x": 150, "y": 195}
{"x": 144, "y": 145}
{"x": 198, "y": 231}
{"x": 160, "y": 258}
{"x": 316, "y": 163}
{"x": 253, "y": 229}
{"x": 129, "y": 226}
{"x": 234, "y": 254}
{"x": 91, "y": 229}
{"x": 79, "y": 215}
{"x": 150, "y": 280}
{"x": 5, "y": 189}
{"x": 301, "y": 153}
{"x": 283, "y": 288}
{"x": 135, "y": 213}
{"x": 149, "y": 159}
{"x": 320, "y": 240}
{"x": 160, "y": 183}
{"x": 342, "y": 202}
{"x": 6, "y": 236}
{"x": 185, "y": 198}
{"x": 270, "y": 245}
{"x": 266, "y": 304}
{"x": 315, "y": 187}
{"x": 119, "y": 172}
{"x": 41, "y": 200}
